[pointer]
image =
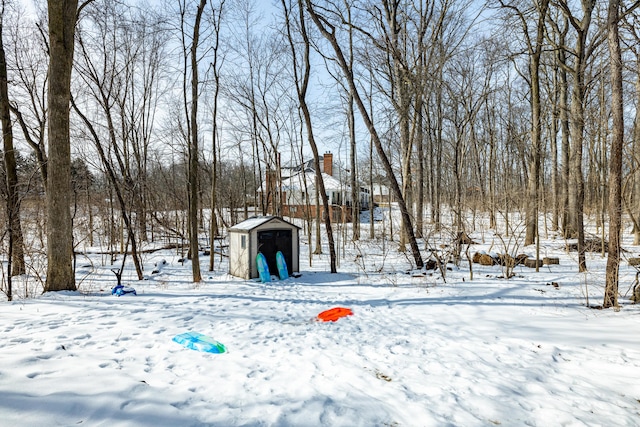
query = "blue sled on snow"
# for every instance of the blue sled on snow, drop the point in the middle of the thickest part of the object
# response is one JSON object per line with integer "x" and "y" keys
{"x": 199, "y": 342}
{"x": 120, "y": 290}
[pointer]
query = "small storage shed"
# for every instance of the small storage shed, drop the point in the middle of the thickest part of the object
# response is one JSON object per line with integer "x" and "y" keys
{"x": 266, "y": 234}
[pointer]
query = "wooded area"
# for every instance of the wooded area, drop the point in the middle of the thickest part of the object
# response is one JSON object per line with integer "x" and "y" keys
{"x": 169, "y": 121}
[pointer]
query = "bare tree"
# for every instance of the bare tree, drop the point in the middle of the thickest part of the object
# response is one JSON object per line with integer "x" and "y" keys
{"x": 29, "y": 85}
{"x": 534, "y": 45}
{"x": 16, "y": 264}
{"x": 581, "y": 53}
{"x": 632, "y": 201}
{"x": 302, "y": 85}
{"x": 615, "y": 165}
{"x": 62, "y": 24}
{"x": 120, "y": 94}
{"x": 351, "y": 121}
{"x": 215, "y": 146}
{"x": 193, "y": 149}
{"x": 328, "y": 31}
{"x": 260, "y": 97}
{"x": 141, "y": 48}
{"x": 558, "y": 39}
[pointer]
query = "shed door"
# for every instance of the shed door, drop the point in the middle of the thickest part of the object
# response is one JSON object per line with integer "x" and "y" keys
{"x": 272, "y": 241}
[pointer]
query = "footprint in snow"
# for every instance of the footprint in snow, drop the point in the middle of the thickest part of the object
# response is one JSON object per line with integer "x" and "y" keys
{"x": 37, "y": 374}
{"x": 82, "y": 337}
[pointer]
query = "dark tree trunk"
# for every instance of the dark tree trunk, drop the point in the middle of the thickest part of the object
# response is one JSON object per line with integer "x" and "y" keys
{"x": 533, "y": 185}
{"x": 214, "y": 231}
{"x": 194, "y": 247}
{"x": 615, "y": 165}
{"x": 62, "y": 22}
{"x": 16, "y": 246}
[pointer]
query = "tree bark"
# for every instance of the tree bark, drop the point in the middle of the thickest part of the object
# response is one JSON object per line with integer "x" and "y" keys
{"x": 62, "y": 22}
{"x": 214, "y": 167}
{"x": 533, "y": 186}
{"x": 534, "y": 47}
{"x": 353, "y": 176}
{"x": 565, "y": 144}
{"x": 17, "y": 265}
{"x": 615, "y": 165}
{"x": 194, "y": 247}
{"x": 575, "y": 223}
{"x": 553, "y": 146}
{"x": 636, "y": 152}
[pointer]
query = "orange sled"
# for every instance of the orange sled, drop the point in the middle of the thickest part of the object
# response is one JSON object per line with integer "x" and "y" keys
{"x": 334, "y": 314}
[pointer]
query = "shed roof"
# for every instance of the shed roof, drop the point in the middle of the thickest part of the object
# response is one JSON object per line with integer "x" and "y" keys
{"x": 256, "y": 221}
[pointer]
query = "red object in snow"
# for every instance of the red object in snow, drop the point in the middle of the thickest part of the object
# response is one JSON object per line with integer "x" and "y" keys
{"x": 334, "y": 314}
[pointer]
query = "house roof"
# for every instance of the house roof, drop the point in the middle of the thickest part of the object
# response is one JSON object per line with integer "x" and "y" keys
{"x": 256, "y": 221}
{"x": 296, "y": 182}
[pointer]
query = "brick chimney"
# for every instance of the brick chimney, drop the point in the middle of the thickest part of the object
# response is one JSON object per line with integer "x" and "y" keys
{"x": 327, "y": 163}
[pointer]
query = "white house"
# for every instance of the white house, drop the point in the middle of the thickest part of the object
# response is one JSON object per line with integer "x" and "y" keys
{"x": 298, "y": 191}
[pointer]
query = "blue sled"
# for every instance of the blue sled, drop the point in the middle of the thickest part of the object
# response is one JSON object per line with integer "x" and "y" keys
{"x": 283, "y": 272}
{"x": 120, "y": 290}
{"x": 263, "y": 268}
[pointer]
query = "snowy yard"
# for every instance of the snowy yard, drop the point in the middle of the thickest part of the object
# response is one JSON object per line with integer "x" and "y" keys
{"x": 417, "y": 351}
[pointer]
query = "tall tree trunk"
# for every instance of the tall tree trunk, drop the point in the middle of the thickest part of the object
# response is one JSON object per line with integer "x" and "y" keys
{"x": 11, "y": 170}
{"x": 317, "y": 214}
{"x": 194, "y": 247}
{"x": 615, "y": 167}
{"x": 436, "y": 160}
{"x": 636, "y": 153}
{"x": 214, "y": 135}
{"x": 62, "y": 24}
{"x": 553, "y": 146}
{"x": 419, "y": 120}
{"x": 491, "y": 123}
{"x": 533, "y": 184}
{"x": 402, "y": 81}
{"x": 353, "y": 176}
{"x": 565, "y": 144}
{"x": 562, "y": 89}
{"x": 534, "y": 47}
{"x": 213, "y": 227}
{"x": 576, "y": 178}
{"x": 372, "y": 227}
{"x": 419, "y": 142}
{"x": 578, "y": 95}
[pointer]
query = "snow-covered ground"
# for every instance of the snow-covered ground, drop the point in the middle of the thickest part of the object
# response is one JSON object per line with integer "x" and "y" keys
{"x": 418, "y": 351}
